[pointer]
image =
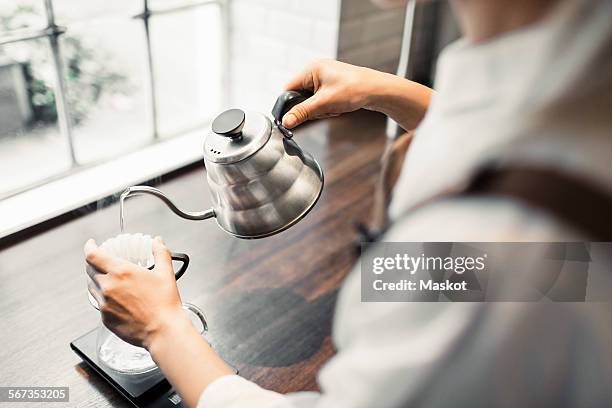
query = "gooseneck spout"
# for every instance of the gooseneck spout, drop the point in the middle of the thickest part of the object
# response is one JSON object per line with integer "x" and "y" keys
{"x": 196, "y": 216}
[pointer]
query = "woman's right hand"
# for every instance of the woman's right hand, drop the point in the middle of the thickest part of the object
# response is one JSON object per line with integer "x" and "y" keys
{"x": 340, "y": 88}
{"x": 337, "y": 87}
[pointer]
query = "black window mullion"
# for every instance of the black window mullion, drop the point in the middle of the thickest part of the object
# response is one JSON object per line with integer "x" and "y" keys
{"x": 61, "y": 93}
{"x": 145, "y": 16}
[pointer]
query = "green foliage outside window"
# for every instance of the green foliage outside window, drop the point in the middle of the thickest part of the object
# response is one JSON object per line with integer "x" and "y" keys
{"x": 87, "y": 75}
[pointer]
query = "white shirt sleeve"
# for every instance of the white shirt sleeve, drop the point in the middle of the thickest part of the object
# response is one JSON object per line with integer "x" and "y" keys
{"x": 234, "y": 391}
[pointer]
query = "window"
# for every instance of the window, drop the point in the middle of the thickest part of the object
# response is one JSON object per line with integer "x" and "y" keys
{"x": 83, "y": 82}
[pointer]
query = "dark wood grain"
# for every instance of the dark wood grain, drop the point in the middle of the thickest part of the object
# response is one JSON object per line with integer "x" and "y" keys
{"x": 269, "y": 302}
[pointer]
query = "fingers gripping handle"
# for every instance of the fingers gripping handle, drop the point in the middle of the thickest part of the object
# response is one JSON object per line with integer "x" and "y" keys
{"x": 94, "y": 296}
{"x": 284, "y": 103}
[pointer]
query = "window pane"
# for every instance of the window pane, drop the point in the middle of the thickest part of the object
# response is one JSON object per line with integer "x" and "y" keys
{"x": 22, "y": 14}
{"x": 186, "y": 49}
{"x": 107, "y": 79}
{"x": 67, "y": 11}
{"x": 31, "y": 148}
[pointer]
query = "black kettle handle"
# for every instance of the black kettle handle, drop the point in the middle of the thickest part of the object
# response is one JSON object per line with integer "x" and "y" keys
{"x": 286, "y": 101}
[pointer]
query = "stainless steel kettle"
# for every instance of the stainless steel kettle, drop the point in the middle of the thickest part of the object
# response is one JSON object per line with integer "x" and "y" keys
{"x": 260, "y": 180}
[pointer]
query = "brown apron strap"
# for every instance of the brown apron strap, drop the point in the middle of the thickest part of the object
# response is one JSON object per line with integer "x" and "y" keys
{"x": 571, "y": 199}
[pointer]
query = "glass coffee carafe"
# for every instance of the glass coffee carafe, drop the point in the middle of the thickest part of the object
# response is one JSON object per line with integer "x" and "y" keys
{"x": 125, "y": 358}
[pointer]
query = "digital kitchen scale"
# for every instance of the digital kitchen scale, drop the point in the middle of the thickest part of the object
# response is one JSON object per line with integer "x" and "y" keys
{"x": 144, "y": 391}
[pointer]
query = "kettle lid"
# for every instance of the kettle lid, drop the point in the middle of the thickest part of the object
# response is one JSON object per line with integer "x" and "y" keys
{"x": 236, "y": 135}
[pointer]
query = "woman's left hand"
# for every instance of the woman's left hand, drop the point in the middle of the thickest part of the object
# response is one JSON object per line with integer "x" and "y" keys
{"x": 138, "y": 303}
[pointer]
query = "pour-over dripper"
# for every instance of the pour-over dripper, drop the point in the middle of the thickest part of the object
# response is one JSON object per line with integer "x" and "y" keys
{"x": 134, "y": 248}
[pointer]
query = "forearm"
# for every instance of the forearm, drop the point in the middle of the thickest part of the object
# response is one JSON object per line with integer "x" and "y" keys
{"x": 402, "y": 100}
{"x": 186, "y": 359}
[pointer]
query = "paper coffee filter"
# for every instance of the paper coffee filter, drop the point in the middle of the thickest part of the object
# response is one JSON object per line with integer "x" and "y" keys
{"x": 135, "y": 248}
{"x": 142, "y": 246}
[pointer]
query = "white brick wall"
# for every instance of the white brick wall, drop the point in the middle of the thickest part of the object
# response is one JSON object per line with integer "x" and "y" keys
{"x": 272, "y": 40}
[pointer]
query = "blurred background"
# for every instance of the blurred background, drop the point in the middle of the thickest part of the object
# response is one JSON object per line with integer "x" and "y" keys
{"x": 83, "y": 83}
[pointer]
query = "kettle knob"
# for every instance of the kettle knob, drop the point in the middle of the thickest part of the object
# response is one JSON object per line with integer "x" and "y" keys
{"x": 229, "y": 124}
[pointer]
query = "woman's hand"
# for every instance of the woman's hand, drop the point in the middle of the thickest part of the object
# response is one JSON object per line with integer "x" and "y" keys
{"x": 337, "y": 87}
{"x": 139, "y": 304}
{"x": 340, "y": 88}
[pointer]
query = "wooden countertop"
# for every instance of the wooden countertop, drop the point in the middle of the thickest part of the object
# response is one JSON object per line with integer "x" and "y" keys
{"x": 269, "y": 302}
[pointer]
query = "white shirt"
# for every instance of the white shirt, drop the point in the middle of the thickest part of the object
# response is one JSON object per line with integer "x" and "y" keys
{"x": 543, "y": 94}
